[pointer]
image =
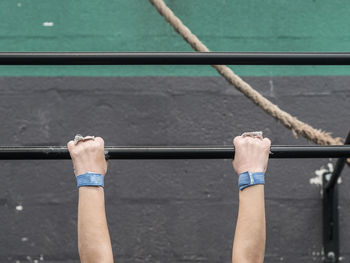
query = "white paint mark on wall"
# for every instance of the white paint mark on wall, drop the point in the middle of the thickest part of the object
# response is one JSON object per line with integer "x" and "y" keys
{"x": 44, "y": 121}
{"x": 36, "y": 261}
{"x": 272, "y": 88}
{"x": 19, "y": 208}
{"x": 328, "y": 169}
{"x": 41, "y": 257}
{"x": 317, "y": 180}
{"x": 19, "y": 4}
{"x": 48, "y": 24}
{"x": 24, "y": 239}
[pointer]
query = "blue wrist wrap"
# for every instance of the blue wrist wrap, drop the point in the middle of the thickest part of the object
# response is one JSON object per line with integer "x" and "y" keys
{"x": 248, "y": 179}
{"x": 90, "y": 179}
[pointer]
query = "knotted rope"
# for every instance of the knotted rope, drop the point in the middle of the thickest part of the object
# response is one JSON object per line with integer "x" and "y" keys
{"x": 298, "y": 127}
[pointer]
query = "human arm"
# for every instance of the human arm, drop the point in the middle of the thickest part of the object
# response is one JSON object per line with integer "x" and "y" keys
{"x": 93, "y": 236}
{"x": 251, "y": 154}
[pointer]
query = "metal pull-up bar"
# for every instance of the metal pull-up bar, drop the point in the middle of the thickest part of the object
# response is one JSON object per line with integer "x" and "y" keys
{"x": 171, "y": 152}
{"x": 173, "y": 58}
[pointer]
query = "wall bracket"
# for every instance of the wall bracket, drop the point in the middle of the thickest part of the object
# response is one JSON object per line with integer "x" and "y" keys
{"x": 330, "y": 210}
{"x": 330, "y": 221}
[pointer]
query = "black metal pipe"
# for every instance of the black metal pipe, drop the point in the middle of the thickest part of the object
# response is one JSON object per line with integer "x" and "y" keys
{"x": 339, "y": 166}
{"x": 171, "y": 152}
{"x": 173, "y": 58}
{"x": 330, "y": 223}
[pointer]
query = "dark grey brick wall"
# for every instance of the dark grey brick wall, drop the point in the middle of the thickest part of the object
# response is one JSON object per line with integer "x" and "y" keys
{"x": 163, "y": 211}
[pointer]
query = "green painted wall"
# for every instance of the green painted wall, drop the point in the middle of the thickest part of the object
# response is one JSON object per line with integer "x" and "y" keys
{"x": 134, "y": 25}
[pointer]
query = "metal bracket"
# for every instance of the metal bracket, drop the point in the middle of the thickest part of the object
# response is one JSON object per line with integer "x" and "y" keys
{"x": 330, "y": 221}
{"x": 330, "y": 210}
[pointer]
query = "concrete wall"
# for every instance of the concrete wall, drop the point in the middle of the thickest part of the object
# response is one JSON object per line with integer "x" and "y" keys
{"x": 166, "y": 211}
{"x": 163, "y": 211}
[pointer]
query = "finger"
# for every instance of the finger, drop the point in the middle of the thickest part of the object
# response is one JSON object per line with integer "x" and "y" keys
{"x": 100, "y": 140}
{"x": 70, "y": 145}
{"x": 237, "y": 140}
{"x": 267, "y": 141}
{"x": 267, "y": 144}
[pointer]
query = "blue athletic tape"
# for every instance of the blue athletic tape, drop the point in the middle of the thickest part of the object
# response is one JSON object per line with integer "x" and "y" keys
{"x": 248, "y": 179}
{"x": 90, "y": 179}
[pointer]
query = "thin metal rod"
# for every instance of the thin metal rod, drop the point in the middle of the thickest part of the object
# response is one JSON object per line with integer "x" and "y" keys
{"x": 173, "y": 58}
{"x": 339, "y": 166}
{"x": 171, "y": 152}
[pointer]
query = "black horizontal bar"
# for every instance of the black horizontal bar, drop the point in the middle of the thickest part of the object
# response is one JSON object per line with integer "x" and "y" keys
{"x": 171, "y": 152}
{"x": 173, "y": 58}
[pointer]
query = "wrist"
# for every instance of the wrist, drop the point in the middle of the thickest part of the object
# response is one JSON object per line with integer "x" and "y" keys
{"x": 248, "y": 178}
{"x": 80, "y": 171}
{"x": 90, "y": 179}
{"x": 252, "y": 169}
{"x": 91, "y": 189}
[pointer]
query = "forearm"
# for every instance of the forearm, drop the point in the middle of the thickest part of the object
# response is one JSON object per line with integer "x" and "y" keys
{"x": 250, "y": 235}
{"x": 93, "y": 237}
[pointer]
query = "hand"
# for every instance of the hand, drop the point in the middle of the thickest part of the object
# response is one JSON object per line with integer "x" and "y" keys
{"x": 251, "y": 154}
{"x": 88, "y": 156}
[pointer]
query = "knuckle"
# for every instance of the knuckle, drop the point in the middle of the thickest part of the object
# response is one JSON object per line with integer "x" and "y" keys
{"x": 257, "y": 141}
{"x": 237, "y": 140}
{"x": 267, "y": 141}
{"x": 99, "y": 140}
{"x": 261, "y": 145}
{"x": 70, "y": 145}
{"x": 249, "y": 140}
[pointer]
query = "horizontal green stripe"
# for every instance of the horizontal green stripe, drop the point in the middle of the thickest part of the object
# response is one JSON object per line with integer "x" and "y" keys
{"x": 171, "y": 71}
{"x": 134, "y": 25}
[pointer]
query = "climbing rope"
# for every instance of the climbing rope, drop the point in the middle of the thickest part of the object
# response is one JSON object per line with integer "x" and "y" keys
{"x": 298, "y": 127}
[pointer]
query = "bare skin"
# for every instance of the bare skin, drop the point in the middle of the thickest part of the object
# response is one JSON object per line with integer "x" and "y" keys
{"x": 251, "y": 154}
{"x": 93, "y": 237}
